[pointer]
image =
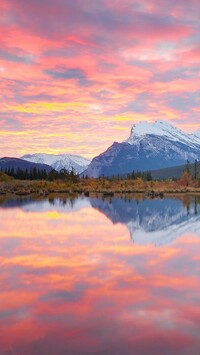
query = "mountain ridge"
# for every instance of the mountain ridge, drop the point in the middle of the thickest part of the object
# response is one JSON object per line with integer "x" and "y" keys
{"x": 162, "y": 128}
{"x": 59, "y": 161}
{"x": 149, "y": 147}
{"x": 18, "y": 163}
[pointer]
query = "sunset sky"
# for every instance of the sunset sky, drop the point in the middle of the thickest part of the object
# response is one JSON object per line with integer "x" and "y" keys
{"x": 76, "y": 74}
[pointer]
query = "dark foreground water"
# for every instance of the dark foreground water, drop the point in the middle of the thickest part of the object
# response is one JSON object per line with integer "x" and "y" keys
{"x": 100, "y": 276}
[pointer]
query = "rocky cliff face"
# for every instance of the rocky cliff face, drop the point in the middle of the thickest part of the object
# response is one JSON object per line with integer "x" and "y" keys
{"x": 149, "y": 147}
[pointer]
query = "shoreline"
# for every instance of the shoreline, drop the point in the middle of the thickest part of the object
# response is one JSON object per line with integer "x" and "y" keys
{"x": 45, "y": 188}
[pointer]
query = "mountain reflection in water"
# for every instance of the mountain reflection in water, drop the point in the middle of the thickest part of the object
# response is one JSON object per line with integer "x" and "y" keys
{"x": 157, "y": 221}
{"x": 73, "y": 282}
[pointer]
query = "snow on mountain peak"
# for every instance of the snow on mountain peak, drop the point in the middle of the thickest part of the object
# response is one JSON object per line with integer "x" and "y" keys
{"x": 60, "y": 161}
{"x": 160, "y": 128}
{"x": 197, "y": 134}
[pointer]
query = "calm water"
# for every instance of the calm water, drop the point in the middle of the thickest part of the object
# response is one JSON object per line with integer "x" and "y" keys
{"x": 100, "y": 276}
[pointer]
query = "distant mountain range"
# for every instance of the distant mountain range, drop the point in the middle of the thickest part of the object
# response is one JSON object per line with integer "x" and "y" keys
{"x": 58, "y": 162}
{"x": 16, "y": 163}
{"x": 45, "y": 162}
{"x": 149, "y": 147}
{"x": 153, "y": 147}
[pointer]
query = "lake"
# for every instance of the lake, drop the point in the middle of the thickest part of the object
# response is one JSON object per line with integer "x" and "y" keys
{"x": 100, "y": 275}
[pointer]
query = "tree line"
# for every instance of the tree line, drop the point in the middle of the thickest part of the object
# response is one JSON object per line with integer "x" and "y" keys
{"x": 195, "y": 169}
{"x": 26, "y": 174}
{"x": 191, "y": 172}
{"x": 41, "y": 174}
{"x": 63, "y": 174}
{"x": 144, "y": 175}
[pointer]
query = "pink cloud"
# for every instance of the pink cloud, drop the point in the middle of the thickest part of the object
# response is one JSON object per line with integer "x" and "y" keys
{"x": 87, "y": 63}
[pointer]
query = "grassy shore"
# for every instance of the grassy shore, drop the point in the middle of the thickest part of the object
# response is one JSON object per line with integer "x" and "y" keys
{"x": 105, "y": 186}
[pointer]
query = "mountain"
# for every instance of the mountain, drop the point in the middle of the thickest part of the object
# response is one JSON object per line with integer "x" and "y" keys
{"x": 149, "y": 147}
{"x": 16, "y": 163}
{"x": 173, "y": 172}
{"x": 58, "y": 162}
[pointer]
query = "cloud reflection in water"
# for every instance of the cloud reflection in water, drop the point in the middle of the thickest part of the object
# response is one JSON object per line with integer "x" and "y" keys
{"x": 72, "y": 282}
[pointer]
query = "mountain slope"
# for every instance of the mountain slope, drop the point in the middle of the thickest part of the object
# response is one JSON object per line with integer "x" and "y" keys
{"x": 58, "y": 162}
{"x": 173, "y": 172}
{"x": 149, "y": 147}
{"x": 4, "y": 177}
{"x": 16, "y": 163}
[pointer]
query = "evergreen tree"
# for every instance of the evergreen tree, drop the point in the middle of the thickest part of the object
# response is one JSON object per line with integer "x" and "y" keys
{"x": 195, "y": 170}
{"x": 187, "y": 167}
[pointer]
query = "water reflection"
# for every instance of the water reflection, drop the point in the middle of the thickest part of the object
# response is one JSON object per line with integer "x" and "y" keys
{"x": 72, "y": 282}
{"x": 159, "y": 221}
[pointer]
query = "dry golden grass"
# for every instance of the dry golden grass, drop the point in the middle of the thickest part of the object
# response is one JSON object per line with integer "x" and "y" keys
{"x": 4, "y": 177}
{"x": 9, "y": 185}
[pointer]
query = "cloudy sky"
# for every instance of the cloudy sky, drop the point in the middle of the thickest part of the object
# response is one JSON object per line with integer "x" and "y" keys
{"x": 76, "y": 74}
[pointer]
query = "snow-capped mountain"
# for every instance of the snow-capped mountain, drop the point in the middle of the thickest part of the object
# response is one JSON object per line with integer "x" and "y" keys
{"x": 150, "y": 146}
{"x": 197, "y": 134}
{"x": 162, "y": 129}
{"x": 58, "y": 162}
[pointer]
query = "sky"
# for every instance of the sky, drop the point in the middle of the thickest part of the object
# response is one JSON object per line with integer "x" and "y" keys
{"x": 75, "y": 75}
